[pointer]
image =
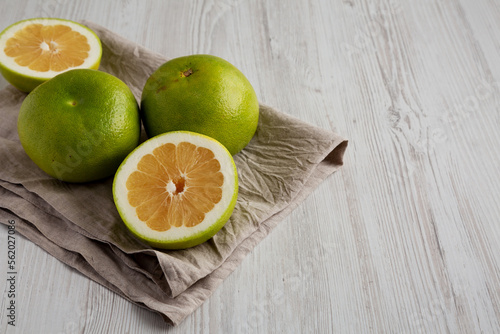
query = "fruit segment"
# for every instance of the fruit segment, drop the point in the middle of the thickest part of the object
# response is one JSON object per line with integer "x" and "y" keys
{"x": 176, "y": 185}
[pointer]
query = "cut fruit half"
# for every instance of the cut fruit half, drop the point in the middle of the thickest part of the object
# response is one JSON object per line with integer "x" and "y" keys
{"x": 176, "y": 190}
{"x": 35, "y": 50}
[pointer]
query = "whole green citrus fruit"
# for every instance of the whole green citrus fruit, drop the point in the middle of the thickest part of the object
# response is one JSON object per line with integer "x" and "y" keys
{"x": 203, "y": 94}
{"x": 80, "y": 125}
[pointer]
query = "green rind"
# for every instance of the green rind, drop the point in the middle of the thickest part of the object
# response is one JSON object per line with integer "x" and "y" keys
{"x": 194, "y": 240}
{"x": 26, "y": 83}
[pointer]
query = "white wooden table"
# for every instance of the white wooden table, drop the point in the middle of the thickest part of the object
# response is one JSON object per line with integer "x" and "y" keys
{"x": 403, "y": 239}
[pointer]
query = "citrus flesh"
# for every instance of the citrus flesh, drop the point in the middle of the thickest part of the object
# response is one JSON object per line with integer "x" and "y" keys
{"x": 35, "y": 50}
{"x": 176, "y": 190}
{"x": 80, "y": 125}
{"x": 203, "y": 94}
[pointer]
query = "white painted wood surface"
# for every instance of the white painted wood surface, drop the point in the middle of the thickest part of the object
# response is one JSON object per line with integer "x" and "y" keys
{"x": 403, "y": 239}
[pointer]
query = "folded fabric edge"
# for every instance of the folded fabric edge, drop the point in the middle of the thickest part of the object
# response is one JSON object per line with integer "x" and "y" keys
{"x": 31, "y": 233}
{"x": 74, "y": 260}
{"x": 151, "y": 300}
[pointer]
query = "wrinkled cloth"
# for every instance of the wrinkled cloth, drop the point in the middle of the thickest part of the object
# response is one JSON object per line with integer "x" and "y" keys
{"x": 79, "y": 224}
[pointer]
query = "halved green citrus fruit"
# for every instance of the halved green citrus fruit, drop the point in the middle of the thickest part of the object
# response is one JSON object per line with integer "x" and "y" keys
{"x": 35, "y": 50}
{"x": 204, "y": 94}
{"x": 176, "y": 190}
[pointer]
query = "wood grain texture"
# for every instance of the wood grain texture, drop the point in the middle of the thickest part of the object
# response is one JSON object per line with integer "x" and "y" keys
{"x": 403, "y": 239}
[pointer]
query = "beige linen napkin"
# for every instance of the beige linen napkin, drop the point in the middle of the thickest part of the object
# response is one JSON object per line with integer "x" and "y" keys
{"x": 79, "y": 224}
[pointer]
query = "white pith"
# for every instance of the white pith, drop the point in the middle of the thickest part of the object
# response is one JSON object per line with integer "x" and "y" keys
{"x": 128, "y": 212}
{"x": 9, "y": 62}
{"x": 171, "y": 186}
